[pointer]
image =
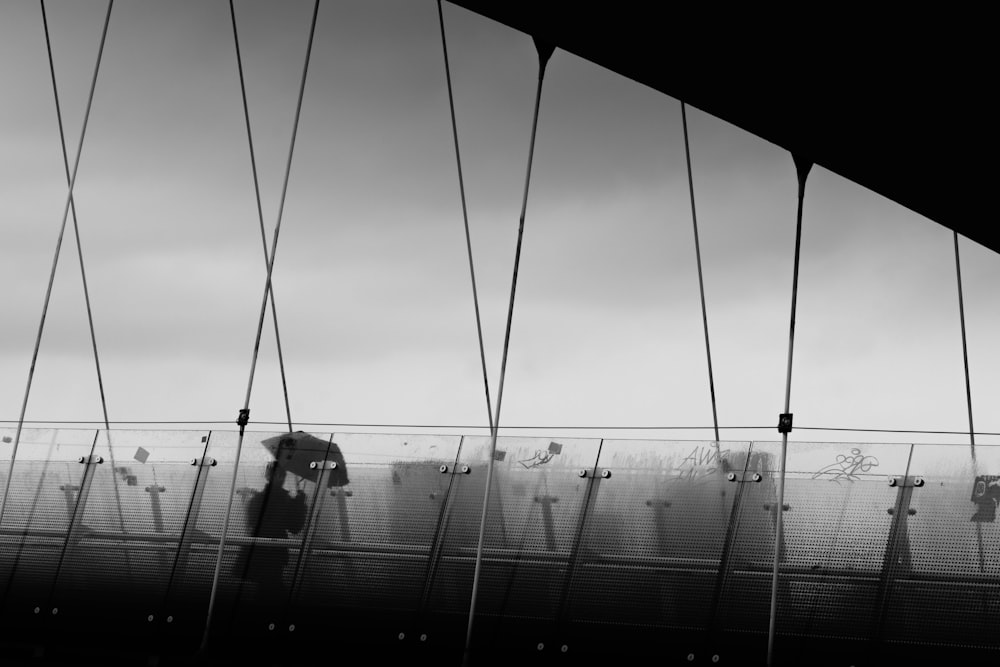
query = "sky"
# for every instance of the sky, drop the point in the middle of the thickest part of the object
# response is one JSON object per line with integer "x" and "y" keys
{"x": 371, "y": 276}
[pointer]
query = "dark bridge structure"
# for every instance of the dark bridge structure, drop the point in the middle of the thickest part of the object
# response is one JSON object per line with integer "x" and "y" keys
{"x": 243, "y": 547}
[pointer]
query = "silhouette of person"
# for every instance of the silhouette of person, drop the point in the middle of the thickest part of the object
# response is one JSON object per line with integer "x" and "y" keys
{"x": 271, "y": 513}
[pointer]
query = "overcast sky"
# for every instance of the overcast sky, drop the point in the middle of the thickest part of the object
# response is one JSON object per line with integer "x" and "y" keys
{"x": 371, "y": 277}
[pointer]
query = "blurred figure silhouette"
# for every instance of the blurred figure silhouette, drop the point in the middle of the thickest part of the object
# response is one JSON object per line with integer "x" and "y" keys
{"x": 271, "y": 513}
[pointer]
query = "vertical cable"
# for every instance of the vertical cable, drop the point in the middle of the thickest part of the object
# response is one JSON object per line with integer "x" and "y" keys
{"x": 544, "y": 53}
{"x": 55, "y": 260}
{"x": 965, "y": 350}
{"x": 260, "y": 210}
{"x": 465, "y": 218}
{"x": 802, "y": 168}
{"x": 968, "y": 396}
{"x": 701, "y": 280}
{"x": 245, "y": 412}
{"x": 83, "y": 278}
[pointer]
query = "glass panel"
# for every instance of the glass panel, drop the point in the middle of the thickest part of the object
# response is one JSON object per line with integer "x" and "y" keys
{"x": 126, "y": 540}
{"x": 373, "y": 533}
{"x": 836, "y": 530}
{"x": 269, "y": 514}
{"x": 946, "y": 586}
{"x": 44, "y": 491}
{"x": 535, "y": 517}
{"x": 654, "y": 539}
{"x": 744, "y": 588}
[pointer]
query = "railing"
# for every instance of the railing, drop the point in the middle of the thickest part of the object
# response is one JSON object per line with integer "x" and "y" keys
{"x": 667, "y": 543}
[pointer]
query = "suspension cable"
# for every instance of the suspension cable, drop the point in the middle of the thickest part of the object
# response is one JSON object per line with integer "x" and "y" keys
{"x": 245, "y": 412}
{"x": 83, "y": 278}
{"x": 544, "y": 53}
{"x": 965, "y": 350}
{"x": 260, "y": 210}
{"x": 701, "y": 280}
{"x": 465, "y": 218}
{"x": 55, "y": 261}
{"x": 802, "y": 167}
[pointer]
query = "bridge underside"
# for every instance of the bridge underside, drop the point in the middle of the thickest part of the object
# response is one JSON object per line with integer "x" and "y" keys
{"x": 630, "y": 550}
{"x": 895, "y": 103}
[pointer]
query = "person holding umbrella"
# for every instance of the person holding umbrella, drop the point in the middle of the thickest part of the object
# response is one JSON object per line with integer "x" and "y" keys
{"x": 271, "y": 513}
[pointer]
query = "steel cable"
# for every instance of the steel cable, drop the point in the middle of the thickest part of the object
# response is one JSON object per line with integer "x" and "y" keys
{"x": 55, "y": 260}
{"x": 244, "y": 413}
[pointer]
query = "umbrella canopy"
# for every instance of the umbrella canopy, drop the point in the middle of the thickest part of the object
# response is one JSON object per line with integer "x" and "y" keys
{"x": 295, "y": 451}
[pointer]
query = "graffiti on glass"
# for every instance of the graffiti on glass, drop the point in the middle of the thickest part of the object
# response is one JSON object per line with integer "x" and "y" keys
{"x": 848, "y": 467}
{"x": 542, "y": 456}
{"x": 702, "y": 462}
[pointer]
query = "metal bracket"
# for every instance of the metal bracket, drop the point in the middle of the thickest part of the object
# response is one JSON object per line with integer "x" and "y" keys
{"x": 205, "y": 462}
{"x": 323, "y": 465}
{"x": 94, "y": 458}
{"x": 587, "y": 472}
{"x": 905, "y": 482}
{"x": 463, "y": 469}
{"x": 785, "y": 422}
{"x": 742, "y": 477}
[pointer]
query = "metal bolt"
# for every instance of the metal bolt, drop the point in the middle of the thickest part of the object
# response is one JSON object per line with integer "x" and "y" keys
{"x": 312, "y": 465}
{"x": 465, "y": 469}
{"x": 291, "y": 628}
{"x": 757, "y": 477}
{"x": 80, "y": 460}
{"x": 194, "y": 462}
{"x": 565, "y": 647}
{"x": 55, "y": 610}
{"x": 333, "y": 465}
{"x": 100, "y": 459}
{"x": 690, "y": 657}
{"x": 731, "y": 477}
{"x": 170, "y": 619}
{"x": 150, "y": 618}
{"x": 212, "y": 462}
{"x": 715, "y": 658}
{"x": 583, "y": 472}
{"x": 605, "y": 474}
{"x": 540, "y": 646}
{"x": 423, "y": 637}
{"x": 443, "y": 468}
{"x": 402, "y": 636}
{"x": 38, "y": 610}
{"x": 919, "y": 481}
{"x": 270, "y": 626}
{"x": 893, "y": 481}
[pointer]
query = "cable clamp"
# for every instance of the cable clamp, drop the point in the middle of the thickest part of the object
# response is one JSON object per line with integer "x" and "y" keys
{"x": 244, "y": 417}
{"x": 785, "y": 422}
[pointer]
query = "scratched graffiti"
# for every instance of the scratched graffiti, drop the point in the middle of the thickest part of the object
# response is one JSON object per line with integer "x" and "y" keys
{"x": 847, "y": 467}
{"x": 702, "y": 462}
{"x": 542, "y": 456}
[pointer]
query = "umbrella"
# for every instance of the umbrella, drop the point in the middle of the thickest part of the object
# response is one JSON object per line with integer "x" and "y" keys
{"x": 295, "y": 451}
